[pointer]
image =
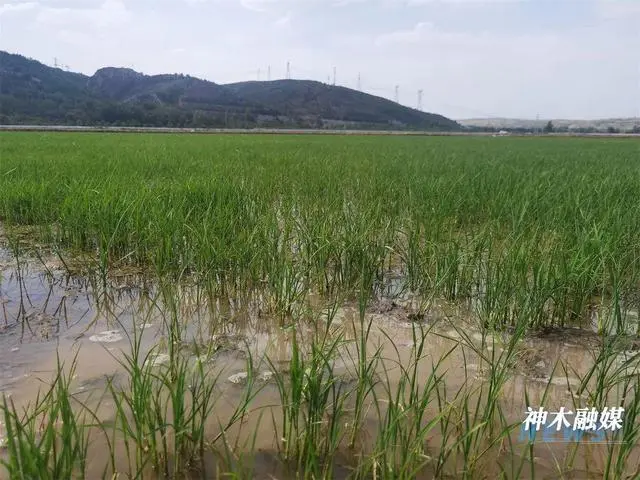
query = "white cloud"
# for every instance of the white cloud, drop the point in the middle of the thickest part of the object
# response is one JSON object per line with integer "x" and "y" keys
{"x": 262, "y": 5}
{"x": 413, "y": 35}
{"x": 511, "y": 61}
{"x": 619, "y": 9}
{"x": 257, "y": 5}
{"x": 575, "y": 72}
{"x": 111, "y": 13}
{"x": 433, "y": 41}
{"x": 73, "y": 37}
{"x": 17, "y": 7}
{"x": 283, "y": 21}
{"x": 344, "y": 3}
{"x": 462, "y": 2}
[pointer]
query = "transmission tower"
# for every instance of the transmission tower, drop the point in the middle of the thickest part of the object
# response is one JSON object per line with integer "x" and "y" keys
{"x": 288, "y": 71}
{"x": 269, "y": 73}
{"x": 397, "y": 96}
{"x": 57, "y": 64}
{"x": 359, "y": 83}
{"x": 419, "y": 99}
{"x": 334, "y": 76}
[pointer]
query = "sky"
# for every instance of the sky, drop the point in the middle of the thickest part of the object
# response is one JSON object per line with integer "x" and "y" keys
{"x": 471, "y": 58}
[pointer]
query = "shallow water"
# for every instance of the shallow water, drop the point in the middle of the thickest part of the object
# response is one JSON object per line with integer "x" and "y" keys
{"x": 46, "y": 314}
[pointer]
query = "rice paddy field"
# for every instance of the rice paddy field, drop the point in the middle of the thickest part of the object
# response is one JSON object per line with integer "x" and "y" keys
{"x": 316, "y": 307}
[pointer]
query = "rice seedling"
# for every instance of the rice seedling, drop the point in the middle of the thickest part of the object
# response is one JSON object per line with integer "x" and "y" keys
{"x": 524, "y": 236}
{"x": 48, "y": 439}
{"x": 401, "y": 450}
{"x": 312, "y": 400}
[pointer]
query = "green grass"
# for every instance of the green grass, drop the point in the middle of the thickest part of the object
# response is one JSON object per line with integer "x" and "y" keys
{"x": 552, "y": 221}
{"x": 530, "y": 233}
{"x": 48, "y": 439}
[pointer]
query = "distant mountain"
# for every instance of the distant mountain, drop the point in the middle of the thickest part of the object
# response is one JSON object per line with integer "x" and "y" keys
{"x": 307, "y": 98}
{"x": 33, "y": 93}
{"x": 126, "y": 85}
{"x": 611, "y": 125}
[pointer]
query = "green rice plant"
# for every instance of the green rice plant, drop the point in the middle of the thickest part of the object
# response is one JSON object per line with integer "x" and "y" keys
{"x": 531, "y": 444}
{"x": 619, "y": 460}
{"x": 366, "y": 365}
{"x": 391, "y": 192}
{"x": 446, "y": 427}
{"x": 312, "y": 402}
{"x": 533, "y": 233}
{"x": 484, "y": 424}
{"x": 163, "y": 408}
{"x": 409, "y": 248}
{"x": 405, "y": 424}
{"x": 50, "y": 439}
{"x": 238, "y": 460}
{"x": 139, "y": 413}
{"x": 607, "y": 372}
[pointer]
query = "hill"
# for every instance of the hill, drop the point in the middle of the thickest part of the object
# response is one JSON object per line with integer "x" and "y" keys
{"x": 336, "y": 104}
{"x": 34, "y": 93}
{"x": 604, "y": 125}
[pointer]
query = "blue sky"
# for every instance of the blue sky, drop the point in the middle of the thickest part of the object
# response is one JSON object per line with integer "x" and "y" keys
{"x": 471, "y": 58}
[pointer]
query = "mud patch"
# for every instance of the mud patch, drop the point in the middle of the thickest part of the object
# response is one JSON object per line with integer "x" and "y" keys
{"x": 225, "y": 333}
{"x": 109, "y": 336}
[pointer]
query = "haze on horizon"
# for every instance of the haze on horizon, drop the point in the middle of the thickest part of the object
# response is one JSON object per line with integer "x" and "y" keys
{"x": 471, "y": 58}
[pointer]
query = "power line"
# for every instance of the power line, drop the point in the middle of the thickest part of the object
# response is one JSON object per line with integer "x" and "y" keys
{"x": 388, "y": 91}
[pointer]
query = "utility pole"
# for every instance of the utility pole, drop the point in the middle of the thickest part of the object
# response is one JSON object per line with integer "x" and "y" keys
{"x": 397, "y": 94}
{"x": 420, "y": 100}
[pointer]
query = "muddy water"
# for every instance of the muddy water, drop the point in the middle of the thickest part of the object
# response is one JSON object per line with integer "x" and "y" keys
{"x": 46, "y": 315}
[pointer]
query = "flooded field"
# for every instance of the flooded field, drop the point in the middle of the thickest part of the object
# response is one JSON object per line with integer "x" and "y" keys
{"x": 269, "y": 316}
{"x": 436, "y": 364}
